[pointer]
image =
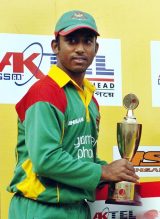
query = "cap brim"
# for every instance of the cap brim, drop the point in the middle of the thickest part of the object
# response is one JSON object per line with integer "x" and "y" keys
{"x": 73, "y": 28}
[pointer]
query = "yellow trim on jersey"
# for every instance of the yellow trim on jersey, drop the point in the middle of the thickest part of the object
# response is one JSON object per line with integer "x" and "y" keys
{"x": 86, "y": 95}
{"x": 31, "y": 187}
{"x": 61, "y": 78}
{"x": 62, "y": 133}
{"x": 58, "y": 194}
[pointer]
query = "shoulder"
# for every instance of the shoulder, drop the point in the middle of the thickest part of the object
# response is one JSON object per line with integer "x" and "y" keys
{"x": 44, "y": 90}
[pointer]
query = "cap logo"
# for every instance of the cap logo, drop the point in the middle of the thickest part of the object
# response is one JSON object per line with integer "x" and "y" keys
{"x": 79, "y": 15}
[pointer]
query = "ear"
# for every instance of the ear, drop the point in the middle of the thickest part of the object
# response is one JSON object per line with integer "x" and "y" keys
{"x": 96, "y": 48}
{"x": 54, "y": 45}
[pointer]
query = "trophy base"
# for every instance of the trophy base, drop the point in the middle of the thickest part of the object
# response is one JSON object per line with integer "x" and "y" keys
{"x": 124, "y": 193}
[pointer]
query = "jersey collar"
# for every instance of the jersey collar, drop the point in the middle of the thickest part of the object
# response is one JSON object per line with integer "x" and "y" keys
{"x": 61, "y": 78}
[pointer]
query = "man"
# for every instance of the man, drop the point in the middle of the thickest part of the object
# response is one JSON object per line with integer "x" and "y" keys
{"x": 57, "y": 168}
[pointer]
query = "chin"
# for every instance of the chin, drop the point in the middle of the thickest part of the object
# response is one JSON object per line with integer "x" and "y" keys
{"x": 79, "y": 70}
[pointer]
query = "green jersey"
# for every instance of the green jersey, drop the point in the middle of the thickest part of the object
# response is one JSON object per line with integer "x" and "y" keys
{"x": 57, "y": 138}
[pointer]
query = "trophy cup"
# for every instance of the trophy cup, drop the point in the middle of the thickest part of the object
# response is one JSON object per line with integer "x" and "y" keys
{"x": 128, "y": 138}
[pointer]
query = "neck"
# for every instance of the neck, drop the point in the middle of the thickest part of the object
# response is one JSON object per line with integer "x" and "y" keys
{"x": 78, "y": 78}
{"x": 75, "y": 76}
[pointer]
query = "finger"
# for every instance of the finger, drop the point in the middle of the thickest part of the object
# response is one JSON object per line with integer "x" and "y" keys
{"x": 133, "y": 179}
{"x": 133, "y": 174}
{"x": 130, "y": 178}
{"x": 130, "y": 166}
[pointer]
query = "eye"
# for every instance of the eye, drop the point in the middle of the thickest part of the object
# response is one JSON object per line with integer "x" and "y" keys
{"x": 89, "y": 40}
{"x": 71, "y": 40}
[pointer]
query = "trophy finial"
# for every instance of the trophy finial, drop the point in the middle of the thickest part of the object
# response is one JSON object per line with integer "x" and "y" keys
{"x": 130, "y": 102}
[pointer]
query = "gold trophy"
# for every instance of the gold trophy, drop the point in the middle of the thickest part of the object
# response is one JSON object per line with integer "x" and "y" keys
{"x": 128, "y": 138}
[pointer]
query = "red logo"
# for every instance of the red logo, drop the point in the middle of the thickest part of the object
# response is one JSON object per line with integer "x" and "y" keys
{"x": 122, "y": 192}
{"x": 102, "y": 215}
{"x": 18, "y": 62}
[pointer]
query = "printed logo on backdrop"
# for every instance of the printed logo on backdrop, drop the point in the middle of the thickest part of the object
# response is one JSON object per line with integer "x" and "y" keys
{"x": 150, "y": 209}
{"x": 146, "y": 160}
{"x": 129, "y": 214}
{"x": 155, "y": 71}
{"x": 105, "y": 73}
{"x": 100, "y": 210}
{"x": 24, "y": 59}
{"x": 106, "y": 213}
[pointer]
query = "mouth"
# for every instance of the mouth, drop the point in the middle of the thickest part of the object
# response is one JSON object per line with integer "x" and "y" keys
{"x": 79, "y": 59}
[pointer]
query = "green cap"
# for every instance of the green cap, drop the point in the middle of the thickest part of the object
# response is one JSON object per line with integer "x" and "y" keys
{"x": 74, "y": 20}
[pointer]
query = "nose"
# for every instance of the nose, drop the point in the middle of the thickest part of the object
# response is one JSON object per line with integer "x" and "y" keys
{"x": 80, "y": 48}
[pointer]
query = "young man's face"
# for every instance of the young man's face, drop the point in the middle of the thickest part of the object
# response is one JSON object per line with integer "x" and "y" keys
{"x": 75, "y": 52}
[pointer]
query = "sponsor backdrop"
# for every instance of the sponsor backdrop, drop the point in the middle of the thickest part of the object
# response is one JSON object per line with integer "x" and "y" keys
{"x": 127, "y": 62}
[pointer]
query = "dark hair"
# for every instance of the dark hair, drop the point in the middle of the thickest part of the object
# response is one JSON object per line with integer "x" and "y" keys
{"x": 57, "y": 39}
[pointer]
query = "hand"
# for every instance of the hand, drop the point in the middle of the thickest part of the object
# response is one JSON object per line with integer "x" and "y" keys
{"x": 119, "y": 170}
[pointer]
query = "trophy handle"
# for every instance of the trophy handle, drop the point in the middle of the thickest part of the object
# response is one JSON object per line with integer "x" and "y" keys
{"x": 128, "y": 138}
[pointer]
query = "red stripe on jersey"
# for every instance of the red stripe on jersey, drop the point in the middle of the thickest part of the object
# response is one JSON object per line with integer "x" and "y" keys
{"x": 95, "y": 101}
{"x": 46, "y": 90}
